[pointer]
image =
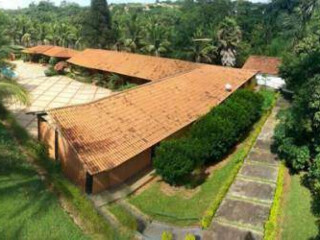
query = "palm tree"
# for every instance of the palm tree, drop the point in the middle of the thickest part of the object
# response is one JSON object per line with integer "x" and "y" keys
{"x": 156, "y": 42}
{"x": 229, "y": 36}
{"x": 11, "y": 89}
{"x": 26, "y": 40}
{"x": 202, "y": 49}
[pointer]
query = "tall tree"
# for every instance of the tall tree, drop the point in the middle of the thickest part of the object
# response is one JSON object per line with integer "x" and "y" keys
{"x": 97, "y": 28}
{"x": 8, "y": 88}
{"x": 229, "y": 37}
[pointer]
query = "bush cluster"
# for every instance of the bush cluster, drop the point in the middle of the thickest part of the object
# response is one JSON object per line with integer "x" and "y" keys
{"x": 167, "y": 236}
{"x": 50, "y": 72}
{"x": 210, "y": 138}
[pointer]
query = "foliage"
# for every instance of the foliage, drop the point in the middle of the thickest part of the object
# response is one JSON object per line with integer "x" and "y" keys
{"x": 97, "y": 25}
{"x": 272, "y": 223}
{"x": 209, "y": 139}
{"x": 53, "y": 61}
{"x": 218, "y": 31}
{"x": 314, "y": 170}
{"x": 11, "y": 89}
{"x": 229, "y": 36}
{"x": 190, "y": 236}
{"x": 28, "y": 209}
{"x": 50, "y": 72}
{"x": 115, "y": 81}
{"x": 124, "y": 217}
{"x": 166, "y": 236}
{"x": 175, "y": 160}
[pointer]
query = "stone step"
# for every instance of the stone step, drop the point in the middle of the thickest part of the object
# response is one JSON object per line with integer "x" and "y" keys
{"x": 263, "y": 156}
{"x": 243, "y": 213}
{"x": 252, "y": 190}
{"x": 258, "y": 171}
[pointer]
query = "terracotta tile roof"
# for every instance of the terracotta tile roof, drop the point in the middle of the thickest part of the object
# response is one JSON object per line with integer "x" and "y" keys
{"x": 40, "y": 49}
{"x": 263, "y": 64}
{"x": 108, "y": 132}
{"x": 133, "y": 65}
{"x": 61, "y": 52}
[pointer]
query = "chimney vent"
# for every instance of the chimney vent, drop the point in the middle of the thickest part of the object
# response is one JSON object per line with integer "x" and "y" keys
{"x": 228, "y": 87}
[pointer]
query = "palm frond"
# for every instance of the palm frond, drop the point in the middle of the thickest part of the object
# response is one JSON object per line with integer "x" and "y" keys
{"x": 10, "y": 89}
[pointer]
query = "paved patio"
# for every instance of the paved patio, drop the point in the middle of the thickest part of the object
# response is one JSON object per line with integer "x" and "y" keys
{"x": 50, "y": 92}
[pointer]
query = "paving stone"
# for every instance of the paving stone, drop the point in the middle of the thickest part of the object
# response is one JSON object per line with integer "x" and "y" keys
{"x": 262, "y": 156}
{"x": 260, "y": 171}
{"x": 222, "y": 232}
{"x": 51, "y": 92}
{"x": 251, "y": 189}
{"x": 264, "y": 145}
{"x": 244, "y": 213}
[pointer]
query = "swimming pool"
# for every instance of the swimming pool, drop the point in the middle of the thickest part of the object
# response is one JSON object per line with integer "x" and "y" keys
{"x": 7, "y": 72}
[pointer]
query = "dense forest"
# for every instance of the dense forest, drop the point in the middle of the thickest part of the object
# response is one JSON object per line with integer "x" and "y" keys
{"x": 216, "y": 31}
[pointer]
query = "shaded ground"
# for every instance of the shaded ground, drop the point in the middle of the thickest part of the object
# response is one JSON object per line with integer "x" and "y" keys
{"x": 28, "y": 210}
{"x": 300, "y": 215}
{"x": 50, "y": 92}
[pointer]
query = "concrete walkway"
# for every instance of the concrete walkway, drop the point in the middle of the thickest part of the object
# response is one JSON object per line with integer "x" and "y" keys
{"x": 49, "y": 92}
{"x": 246, "y": 207}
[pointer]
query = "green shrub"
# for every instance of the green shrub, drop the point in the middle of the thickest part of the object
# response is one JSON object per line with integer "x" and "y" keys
{"x": 296, "y": 157}
{"x": 53, "y": 61}
{"x": 271, "y": 224}
{"x": 314, "y": 170}
{"x": 99, "y": 79}
{"x": 167, "y": 236}
{"x": 190, "y": 236}
{"x": 175, "y": 159}
{"x": 115, "y": 81}
{"x": 210, "y": 138}
{"x": 50, "y": 72}
{"x": 127, "y": 86}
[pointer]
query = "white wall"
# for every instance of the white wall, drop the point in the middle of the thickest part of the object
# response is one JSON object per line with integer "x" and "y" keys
{"x": 270, "y": 81}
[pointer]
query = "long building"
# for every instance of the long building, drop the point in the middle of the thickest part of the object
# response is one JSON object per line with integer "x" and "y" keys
{"x": 135, "y": 67}
{"x": 102, "y": 144}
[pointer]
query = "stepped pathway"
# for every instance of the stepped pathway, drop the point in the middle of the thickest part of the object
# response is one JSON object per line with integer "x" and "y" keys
{"x": 246, "y": 207}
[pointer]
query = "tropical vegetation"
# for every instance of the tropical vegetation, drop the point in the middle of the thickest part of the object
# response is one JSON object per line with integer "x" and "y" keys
{"x": 216, "y": 31}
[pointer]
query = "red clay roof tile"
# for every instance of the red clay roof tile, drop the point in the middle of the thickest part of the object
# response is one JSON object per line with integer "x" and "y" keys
{"x": 263, "y": 64}
{"x": 134, "y": 65}
{"x": 61, "y": 52}
{"x": 108, "y": 132}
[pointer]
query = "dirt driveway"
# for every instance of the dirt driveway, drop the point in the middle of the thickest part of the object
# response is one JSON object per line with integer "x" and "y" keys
{"x": 50, "y": 92}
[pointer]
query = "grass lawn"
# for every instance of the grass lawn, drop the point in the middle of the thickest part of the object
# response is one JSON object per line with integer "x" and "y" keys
{"x": 27, "y": 209}
{"x": 22, "y": 191}
{"x": 123, "y": 216}
{"x": 298, "y": 221}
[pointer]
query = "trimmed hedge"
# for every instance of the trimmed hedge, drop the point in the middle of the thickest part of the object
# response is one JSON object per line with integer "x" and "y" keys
{"x": 271, "y": 224}
{"x": 210, "y": 138}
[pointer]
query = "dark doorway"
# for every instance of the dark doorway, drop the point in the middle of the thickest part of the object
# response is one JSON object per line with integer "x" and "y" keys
{"x": 89, "y": 183}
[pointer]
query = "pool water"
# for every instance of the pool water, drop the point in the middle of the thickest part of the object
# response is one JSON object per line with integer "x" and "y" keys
{"x": 7, "y": 72}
